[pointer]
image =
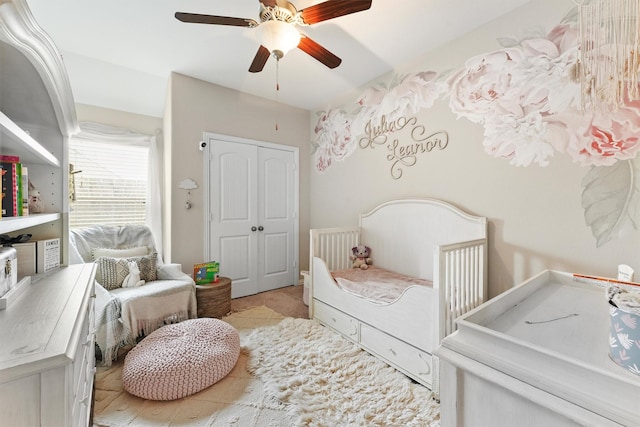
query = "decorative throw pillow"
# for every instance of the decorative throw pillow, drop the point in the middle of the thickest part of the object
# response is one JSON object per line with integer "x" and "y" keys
{"x": 120, "y": 253}
{"x": 110, "y": 272}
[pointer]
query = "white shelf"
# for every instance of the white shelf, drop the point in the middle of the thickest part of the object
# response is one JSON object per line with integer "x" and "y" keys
{"x": 13, "y": 223}
{"x": 17, "y": 142}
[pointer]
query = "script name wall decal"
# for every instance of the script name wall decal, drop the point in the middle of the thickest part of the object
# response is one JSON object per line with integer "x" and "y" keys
{"x": 402, "y": 154}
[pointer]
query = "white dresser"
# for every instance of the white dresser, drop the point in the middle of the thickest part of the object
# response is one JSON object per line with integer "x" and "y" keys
{"x": 537, "y": 355}
{"x": 47, "y": 359}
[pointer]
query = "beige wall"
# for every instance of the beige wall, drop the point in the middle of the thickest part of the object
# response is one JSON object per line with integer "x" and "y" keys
{"x": 195, "y": 107}
{"x": 192, "y": 108}
{"x": 536, "y": 220}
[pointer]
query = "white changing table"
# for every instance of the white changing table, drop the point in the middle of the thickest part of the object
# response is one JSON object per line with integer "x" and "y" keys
{"x": 537, "y": 355}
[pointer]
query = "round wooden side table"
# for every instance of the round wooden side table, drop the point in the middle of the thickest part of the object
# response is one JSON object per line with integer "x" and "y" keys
{"x": 214, "y": 299}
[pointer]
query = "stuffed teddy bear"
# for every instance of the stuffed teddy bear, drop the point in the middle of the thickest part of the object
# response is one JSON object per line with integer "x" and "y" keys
{"x": 133, "y": 278}
{"x": 36, "y": 204}
{"x": 360, "y": 257}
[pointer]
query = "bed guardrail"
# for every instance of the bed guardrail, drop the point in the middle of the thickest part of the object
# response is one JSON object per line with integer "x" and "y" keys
{"x": 333, "y": 245}
{"x": 462, "y": 279}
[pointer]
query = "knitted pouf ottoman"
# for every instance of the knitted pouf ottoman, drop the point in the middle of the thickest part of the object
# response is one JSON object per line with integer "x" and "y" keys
{"x": 181, "y": 359}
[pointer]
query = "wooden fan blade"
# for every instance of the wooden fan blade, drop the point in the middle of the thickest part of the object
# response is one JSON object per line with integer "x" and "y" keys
{"x": 259, "y": 60}
{"x": 318, "y": 52}
{"x": 332, "y": 9}
{"x": 270, "y": 3}
{"x": 196, "y": 18}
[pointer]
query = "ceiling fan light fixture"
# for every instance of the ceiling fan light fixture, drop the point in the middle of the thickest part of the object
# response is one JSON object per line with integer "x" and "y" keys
{"x": 277, "y": 31}
{"x": 278, "y": 37}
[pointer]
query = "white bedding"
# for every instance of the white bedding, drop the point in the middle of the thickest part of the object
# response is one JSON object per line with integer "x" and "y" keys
{"x": 376, "y": 284}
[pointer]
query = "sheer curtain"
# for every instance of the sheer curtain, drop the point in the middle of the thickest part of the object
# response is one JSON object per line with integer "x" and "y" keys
{"x": 112, "y": 135}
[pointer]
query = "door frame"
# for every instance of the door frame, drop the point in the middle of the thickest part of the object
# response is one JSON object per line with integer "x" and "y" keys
{"x": 207, "y": 137}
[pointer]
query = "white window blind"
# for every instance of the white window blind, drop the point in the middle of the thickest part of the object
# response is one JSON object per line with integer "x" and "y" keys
{"x": 111, "y": 187}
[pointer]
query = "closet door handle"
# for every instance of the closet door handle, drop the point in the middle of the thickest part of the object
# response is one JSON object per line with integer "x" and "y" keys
{"x": 253, "y": 228}
{"x": 260, "y": 228}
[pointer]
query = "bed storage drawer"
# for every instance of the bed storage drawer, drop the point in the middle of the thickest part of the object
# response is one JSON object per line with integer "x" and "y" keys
{"x": 329, "y": 316}
{"x": 406, "y": 358}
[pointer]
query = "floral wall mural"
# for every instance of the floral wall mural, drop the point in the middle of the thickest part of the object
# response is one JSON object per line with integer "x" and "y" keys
{"x": 527, "y": 97}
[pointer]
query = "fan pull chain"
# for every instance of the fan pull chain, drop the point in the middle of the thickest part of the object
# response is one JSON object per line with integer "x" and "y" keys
{"x": 277, "y": 89}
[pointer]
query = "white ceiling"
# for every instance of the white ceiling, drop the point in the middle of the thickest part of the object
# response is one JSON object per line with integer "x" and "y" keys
{"x": 119, "y": 53}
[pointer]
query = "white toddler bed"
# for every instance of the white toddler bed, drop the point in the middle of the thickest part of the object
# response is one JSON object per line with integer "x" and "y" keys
{"x": 422, "y": 238}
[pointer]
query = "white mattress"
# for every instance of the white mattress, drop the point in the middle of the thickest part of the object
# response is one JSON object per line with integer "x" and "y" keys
{"x": 376, "y": 284}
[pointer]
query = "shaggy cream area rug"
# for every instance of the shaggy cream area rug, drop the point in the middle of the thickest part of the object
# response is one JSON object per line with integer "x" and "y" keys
{"x": 291, "y": 372}
{"x": 326, "y": 380}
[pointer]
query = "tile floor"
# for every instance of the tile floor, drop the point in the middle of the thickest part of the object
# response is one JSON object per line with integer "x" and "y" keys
{"x": 286, "y": 301}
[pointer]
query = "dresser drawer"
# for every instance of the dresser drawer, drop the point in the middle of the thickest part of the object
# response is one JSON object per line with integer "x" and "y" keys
{"x": 82, "y": 404}
{"x": 80, "y": 361}
{"x": 329, "y": 316}
{"x": 414, "y": 362}
{"x": 83, "y": 367}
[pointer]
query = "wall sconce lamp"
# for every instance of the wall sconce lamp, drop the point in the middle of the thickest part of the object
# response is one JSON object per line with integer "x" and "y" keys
{"x": 188, "y": 184}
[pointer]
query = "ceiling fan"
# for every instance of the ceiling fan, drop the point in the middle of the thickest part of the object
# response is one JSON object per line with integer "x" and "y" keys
{"x": 277, "y": 30}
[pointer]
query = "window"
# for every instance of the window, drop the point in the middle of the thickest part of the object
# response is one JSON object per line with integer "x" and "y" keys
{"x": 109, "y": 184}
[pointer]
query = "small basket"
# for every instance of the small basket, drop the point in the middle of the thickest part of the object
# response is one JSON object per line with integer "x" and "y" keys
{"x": 624, "y": 338}
{"x": 214, "y": 299}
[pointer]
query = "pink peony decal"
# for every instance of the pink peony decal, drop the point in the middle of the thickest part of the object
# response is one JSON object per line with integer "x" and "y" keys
{"x": 333, "y": 138}
{"x": 601, "y": 138}
{"x": 515, "y": 92}
{"x": 407, "y": 95}
{"x": 525, "y": 95}
{"x": 480, "y": 90}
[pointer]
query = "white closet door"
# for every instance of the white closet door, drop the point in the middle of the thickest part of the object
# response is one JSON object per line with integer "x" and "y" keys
{"x": 275, "y": 218}
{"x": 234, "y": 211}
{"x": 252, "y": 215}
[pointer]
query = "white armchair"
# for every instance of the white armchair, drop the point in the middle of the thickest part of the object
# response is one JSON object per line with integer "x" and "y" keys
{"x": 124, "y": 314}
